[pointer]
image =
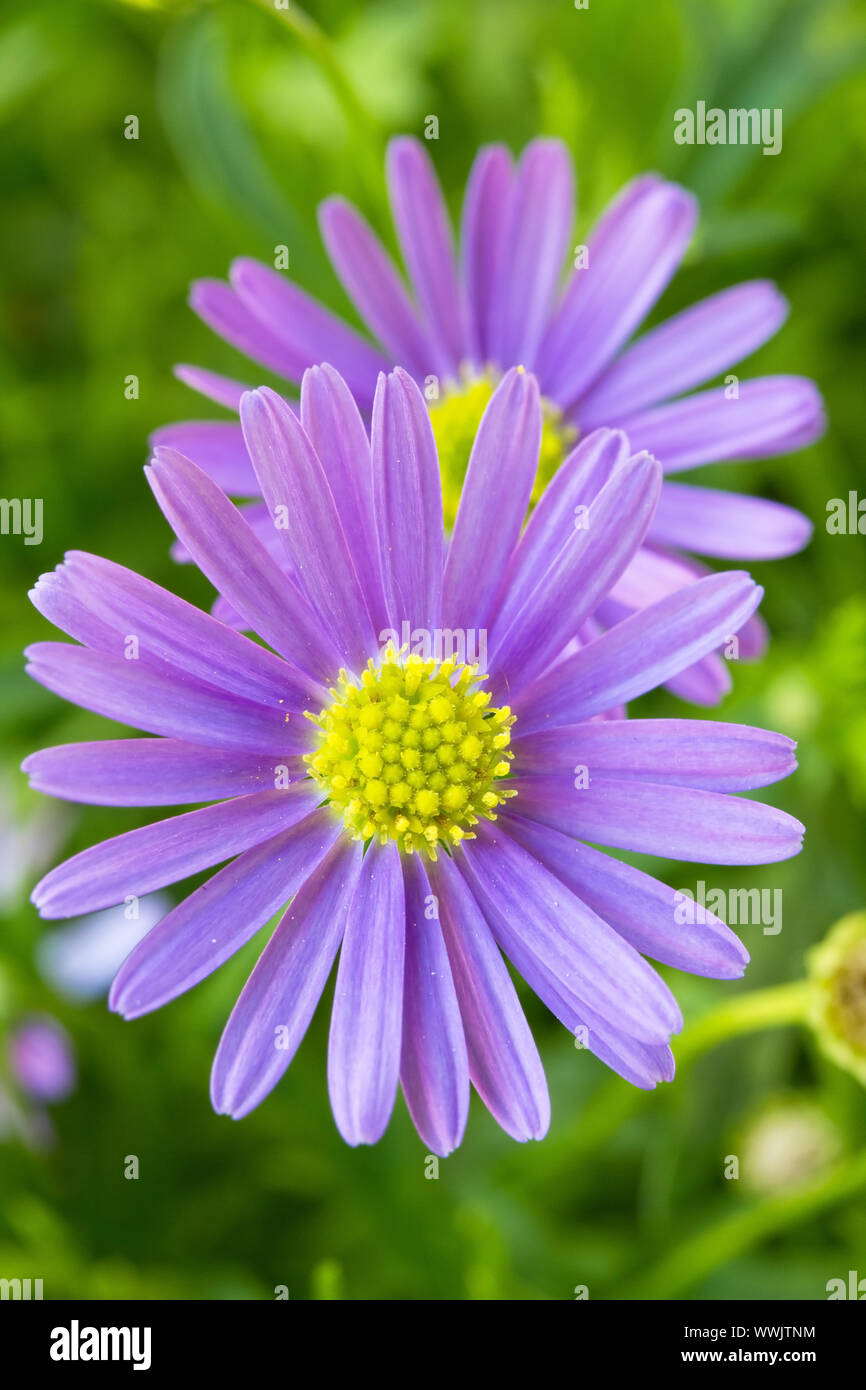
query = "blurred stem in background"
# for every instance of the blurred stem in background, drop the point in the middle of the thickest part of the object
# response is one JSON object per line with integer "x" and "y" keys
{"x": 745, "y": 1013}
{"x": 722, "y": 1241}
{"x": 831, "y": 1001}
{"x": 370, "y": 140}
{"x": 749, "y": 1012}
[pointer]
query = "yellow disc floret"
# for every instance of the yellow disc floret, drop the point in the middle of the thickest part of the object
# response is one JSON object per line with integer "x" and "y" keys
{"x": 412, "y": 752}
{"x": 455, "y": 418}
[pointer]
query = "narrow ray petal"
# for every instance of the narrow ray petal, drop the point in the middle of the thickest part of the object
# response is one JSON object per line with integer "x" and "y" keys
{"x": 226, "y": 550}
{"x": 367, "y": 1013}
{"x": 538, "y": 221}
{"x": 304, "y": 512}
{"x": 632, "y": 254}
{"x": 530, "y": 910}
{"x": 567, "y": 591}
{"x": 770, "y": 415}
{"x": 434, "y": 1066}
{"x": 673, "y": 822}
{"x": 685, "y": 752}
{"x": 482, "y": 237}
{"x": 215, "y": 921}
{"x": 154, "y": 855}
{"x": 407, "y": 496}
{"x": 309, "y": 332}
{"x": 642, "y": 909}
{"x": 686, "y": 350}
{"x": 276, "y": 1004}
{"x": 642, "y": 652}
{"x": 426, "y": 243}
{"x": 153, "y": 772}
{"x": 727, "y": 525}
{"x": 504, "y": 1064}
{"x": 494, "y": 499}
{"x": 371, "y": 281}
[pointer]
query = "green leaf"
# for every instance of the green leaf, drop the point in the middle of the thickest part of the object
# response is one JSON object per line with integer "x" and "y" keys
{"x": 211, "y": 137}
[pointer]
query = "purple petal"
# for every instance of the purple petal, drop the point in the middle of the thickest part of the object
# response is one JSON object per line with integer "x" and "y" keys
{"x": 223, "y": 310}
{"x": 706, "y": 683}
{"x": 68, "y": 608}
{"x": 226, "y": 550}
{"x": 152, "y": 856}
{"x": 727, "y": 525}
{"x": 367, "y": 1014}
{"x": 640, "y": 908}
{"x": 172, "y": 631}
{"x": 295, "y": 487}
{"x": 685, "y": 752}
{"x": 336, "y": 431}
{"x": 536, "y": 918}
{"x": 259, "y": 520}
{"x": 504, "y": 1064}
{"x": 223, "y": 610}
{"x": 220, "y": 917}
{"x": 632, "y": 254}
{"x": 152, "y": 772}
{"x": 654, "y": 574}
{"x": 641, "y": 1064}
{"x": 222, "y": 389}
{"x": 280, "y": 997}
{"x": 424, "y": 233}
{"x": 753, "y": 637}
{"x": 638, "y": 1063}
{"x": 685, "y": 351}
{"x": 170, "y": 705}
{"x": 371, "y": 281}
{"x": 642, "y": 652}
{"x": 506, "y": 447}
{"x": 538, "y": 221}
{"x": 309, "y": 332}
{"x": 576, "y": 484}
{"x": 523, "y": 643}
{"x": 481, "y": 240}
{"x": 651, "y": 576}
{"x": 434, "y": 1066}
{"x": 407, "y": 496}
{"x": 217, "y": 447}
{"x": 669, "y": 821}
{"x": 771, "y": 415}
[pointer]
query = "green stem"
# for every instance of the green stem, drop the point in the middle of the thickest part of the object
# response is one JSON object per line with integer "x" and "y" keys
{"x": 321, "y": 50}
{"x": 745, "y": 1013}
{"x": 725, "y": 1240}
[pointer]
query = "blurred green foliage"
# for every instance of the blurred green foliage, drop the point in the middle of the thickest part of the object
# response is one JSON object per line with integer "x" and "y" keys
{"x": 247, "y": 117}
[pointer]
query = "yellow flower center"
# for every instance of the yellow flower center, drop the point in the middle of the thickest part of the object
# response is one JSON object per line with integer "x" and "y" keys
{"x": 412, "y": 753}
{"x": 455, "y": 418}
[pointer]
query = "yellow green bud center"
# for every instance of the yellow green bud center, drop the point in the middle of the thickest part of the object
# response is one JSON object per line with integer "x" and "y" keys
{"x": 412, "y": 752}
{"x": 848, "y": 996}
{"x": 455, "y": 417}
{"x": 837, "y": 980}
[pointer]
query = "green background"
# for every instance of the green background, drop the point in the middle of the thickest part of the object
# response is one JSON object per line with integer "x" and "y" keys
{"x": 247, "y": 118}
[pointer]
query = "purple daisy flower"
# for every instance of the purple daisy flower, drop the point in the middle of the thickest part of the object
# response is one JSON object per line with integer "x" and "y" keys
{"x": 467, "y": 321}
{"x": 419, "y": 815}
